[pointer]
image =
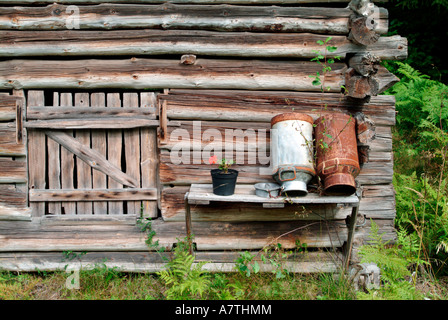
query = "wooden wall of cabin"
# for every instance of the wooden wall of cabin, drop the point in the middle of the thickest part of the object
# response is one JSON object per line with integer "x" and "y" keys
{"x": 228, "y": 64}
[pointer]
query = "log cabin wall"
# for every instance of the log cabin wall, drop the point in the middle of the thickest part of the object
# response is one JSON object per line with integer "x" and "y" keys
{"x": 104, "y": 90}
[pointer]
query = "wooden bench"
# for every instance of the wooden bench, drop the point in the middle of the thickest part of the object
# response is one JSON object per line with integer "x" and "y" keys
{"x": 202, "y": 194}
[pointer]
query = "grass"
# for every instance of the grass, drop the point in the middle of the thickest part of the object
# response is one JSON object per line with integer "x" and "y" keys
{"x": 104, "y": 283}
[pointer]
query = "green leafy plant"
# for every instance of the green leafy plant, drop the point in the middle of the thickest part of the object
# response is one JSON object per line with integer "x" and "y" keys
{"x": 394, "y": 262}
{"x": 422, "y": 122}
{"x": 322, "y": 59}
{"x": 184, "y": 279}
{"x": 146, "y": 227}
{"x": 223, "y": 164}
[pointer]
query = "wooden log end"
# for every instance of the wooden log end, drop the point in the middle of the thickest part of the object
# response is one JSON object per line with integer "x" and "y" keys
{"x": 365, "y": 128}
{"x": 360, "y": 33}
{"x": 366, "y": 64}
{"x": 360, "y": 87}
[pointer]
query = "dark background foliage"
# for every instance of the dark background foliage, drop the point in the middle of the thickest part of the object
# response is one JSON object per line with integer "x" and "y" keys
{"x": 424, "y": 24}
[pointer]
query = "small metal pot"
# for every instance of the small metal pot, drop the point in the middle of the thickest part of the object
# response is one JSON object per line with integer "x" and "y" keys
{"x": 267, "y": 190}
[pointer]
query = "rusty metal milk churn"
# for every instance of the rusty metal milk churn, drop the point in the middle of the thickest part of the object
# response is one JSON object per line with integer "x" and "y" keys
{"x": 292, "y": 153}
{"x": 337, "y": 153}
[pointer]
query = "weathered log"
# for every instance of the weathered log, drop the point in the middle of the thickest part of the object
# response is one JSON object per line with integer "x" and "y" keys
{"x": 360, "y": 33}
{"x": 204, "y": 43}
{"x": 261, "y": 106}
{"x": 366, "y": 64}
{"x": 365, "y": 128}
{"x": 190, "y": 171}
{"x": 8, "y": 105}
{"x": 19, "y": 237}
{"x": 360, "y": 87}
{"x": 13, "y": 171}
{"x": 151, "y": 262}
{"x": 171, "y": 16}
{"x": 361, "y": 7}
{"x": 385, "y": 79}
{"x": 158, "y": 73}
{"x": 12, "y": 196}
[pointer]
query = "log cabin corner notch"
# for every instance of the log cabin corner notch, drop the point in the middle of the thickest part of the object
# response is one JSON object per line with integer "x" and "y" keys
{"x": 88, "y": 118}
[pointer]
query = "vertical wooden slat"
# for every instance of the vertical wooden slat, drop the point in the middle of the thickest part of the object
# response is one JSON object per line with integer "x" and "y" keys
{"x": 132, "y": 150}
{"x": 36, "y": 155}
{"x": 99, "y": 179}
{"x": 84, "y": 171}
{"x": 149, "y": 162}
{"x": 54, "y": 166}
{"x": 114, "y": 149}
{"x": 19, "y": 121}
{"x": 67, "y": 163}
{"x": 23, "y": 187}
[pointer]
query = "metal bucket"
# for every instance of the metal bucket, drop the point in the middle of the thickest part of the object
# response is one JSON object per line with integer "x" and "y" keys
{"x": 267, "y": 190}
{"x": 337, "y": 153}
{"x": 292, "y": 157}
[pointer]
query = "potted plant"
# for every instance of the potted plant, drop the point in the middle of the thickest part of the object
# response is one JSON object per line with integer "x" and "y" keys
{"x": 223, "y": 178}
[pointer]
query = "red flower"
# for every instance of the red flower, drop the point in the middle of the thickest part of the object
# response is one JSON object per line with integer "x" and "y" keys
{"x": 213, "y": 159}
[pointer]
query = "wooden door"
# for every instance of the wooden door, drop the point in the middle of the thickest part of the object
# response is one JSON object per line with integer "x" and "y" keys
{"x": 92, "y": 153}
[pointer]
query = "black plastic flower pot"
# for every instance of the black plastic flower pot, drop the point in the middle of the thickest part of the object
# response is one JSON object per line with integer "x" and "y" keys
{"x": 224, "y": 183}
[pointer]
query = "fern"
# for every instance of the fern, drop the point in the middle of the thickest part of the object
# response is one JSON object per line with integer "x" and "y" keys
{"x": 184, "y": 279}
{"x": 394, "y": 262}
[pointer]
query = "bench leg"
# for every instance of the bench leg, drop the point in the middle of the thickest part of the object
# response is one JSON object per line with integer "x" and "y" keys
{"x": 351, "y": 233}
{"x": 188, "y": 224}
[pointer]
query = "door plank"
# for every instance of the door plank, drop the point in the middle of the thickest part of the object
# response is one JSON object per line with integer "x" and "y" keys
{"x": 84, "y": 171}
{"x": 54, "y": 165}
{"x": 114, "y": 141}
{"x": 99, "y": 179}
{"x": 67, "y": 162}
{"x": 132, "y": 150}
{"x": 36, "y": 155}
{"x": 149, "y": 158}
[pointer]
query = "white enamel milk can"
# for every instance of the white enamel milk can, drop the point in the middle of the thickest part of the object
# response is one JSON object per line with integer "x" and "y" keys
{"x": 292, "y": 154}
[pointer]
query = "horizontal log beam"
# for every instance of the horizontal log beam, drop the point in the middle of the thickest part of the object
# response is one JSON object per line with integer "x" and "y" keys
{"x": 8, "y": 107}
{"x": 12, "y": 196}
{"x": 8, "y": 141}
{"x": 173, "y": 16}
{"x": 154, "y": 73}
{"x": 261, "y": 106}
{"x": 152, "y": 262}
{"x": 37, "y": 195}
{"x": 46, "y": 113}
{"x": 108, "y": 123}
{"x": 19, "y": 236}
{"x": 161, "y": 42}
{"x": 372, "y": 173}
{"x": 13, "y": 171}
